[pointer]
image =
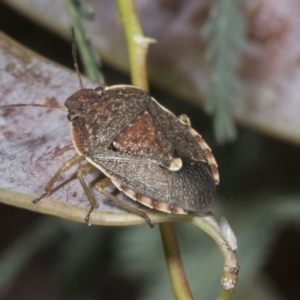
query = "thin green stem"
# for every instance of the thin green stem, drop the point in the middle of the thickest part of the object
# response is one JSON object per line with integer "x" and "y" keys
{"x": 137, "y": 45}
{"x": 180, "y": 286}
{"x": 226, "y": 294}
{"x": 87, "y": 54}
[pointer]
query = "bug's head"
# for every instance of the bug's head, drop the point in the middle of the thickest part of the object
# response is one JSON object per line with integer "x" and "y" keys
{"x": 83, "y": 102}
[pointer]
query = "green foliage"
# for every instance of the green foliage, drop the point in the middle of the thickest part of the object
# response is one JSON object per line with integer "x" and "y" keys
{"x": 225, "y": 30}
{"x": 89, "y": 57}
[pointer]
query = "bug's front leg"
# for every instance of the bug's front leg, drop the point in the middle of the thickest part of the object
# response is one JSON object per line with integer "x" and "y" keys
{"x": 82, "y": 170}
{"x": 67, "y": 165}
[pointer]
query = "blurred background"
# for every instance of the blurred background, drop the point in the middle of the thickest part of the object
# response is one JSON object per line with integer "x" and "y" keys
{"x": 235, "y": 73}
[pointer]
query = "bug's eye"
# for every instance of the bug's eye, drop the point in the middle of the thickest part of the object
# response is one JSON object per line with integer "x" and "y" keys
{"x": 72, "y": 116}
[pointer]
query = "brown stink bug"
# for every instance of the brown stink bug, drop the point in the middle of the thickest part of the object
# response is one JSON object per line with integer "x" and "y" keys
{"x": 147, "y": 152}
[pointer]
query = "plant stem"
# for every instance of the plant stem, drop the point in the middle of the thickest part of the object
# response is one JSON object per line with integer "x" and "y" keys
{"x": 137, "y": 45}
{"x": 180, "y": 286}
{"x": 211, "y": 226}
{"x": 226, "y": 294}
{"x": 87, "y": 54}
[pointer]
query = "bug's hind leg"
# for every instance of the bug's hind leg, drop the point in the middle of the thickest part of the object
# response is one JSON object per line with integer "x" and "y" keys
{"x": 99, "y": 187}
{"x": 67, "y": 165}
{"x": 102, "y": 184}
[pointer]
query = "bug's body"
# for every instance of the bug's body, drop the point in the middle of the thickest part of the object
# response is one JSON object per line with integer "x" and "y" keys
{"x": 148, "y": 153}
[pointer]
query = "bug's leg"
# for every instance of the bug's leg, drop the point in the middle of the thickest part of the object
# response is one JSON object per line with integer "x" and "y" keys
{"x": 102, "y": 184}
{"x": 99, "y": 187}
{"x": 67, "y": 165}
{"x": 82, "y": 170}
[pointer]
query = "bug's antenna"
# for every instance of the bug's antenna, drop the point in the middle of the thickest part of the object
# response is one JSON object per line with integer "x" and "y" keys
{"x": 74, "y": 53}
{"x": 34, "y": 104}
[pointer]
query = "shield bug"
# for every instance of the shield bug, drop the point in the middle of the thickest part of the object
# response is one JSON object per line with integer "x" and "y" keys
{"x": 147, "y": 152}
